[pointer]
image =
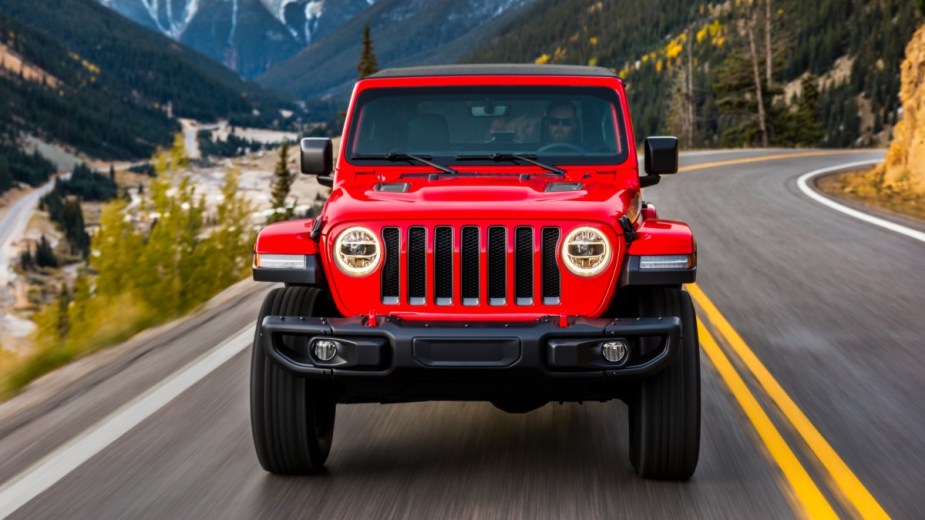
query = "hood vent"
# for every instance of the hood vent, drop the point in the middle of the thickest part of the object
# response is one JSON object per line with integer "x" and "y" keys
{"x": 553, "y": 187}
{"x": 393, "y": 187}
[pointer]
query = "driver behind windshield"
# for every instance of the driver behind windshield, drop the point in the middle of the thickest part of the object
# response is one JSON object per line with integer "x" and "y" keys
{"x": 560, "y": 124}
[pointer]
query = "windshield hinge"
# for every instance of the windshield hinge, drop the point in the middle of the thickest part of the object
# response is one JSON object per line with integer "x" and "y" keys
{"x": 629, "y": 233}
{"x": 316, "y": 229}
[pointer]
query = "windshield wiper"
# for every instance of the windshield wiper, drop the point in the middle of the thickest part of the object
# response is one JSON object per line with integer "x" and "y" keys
{"x": 396, "y": 156}
{"x": 499, "y": 157}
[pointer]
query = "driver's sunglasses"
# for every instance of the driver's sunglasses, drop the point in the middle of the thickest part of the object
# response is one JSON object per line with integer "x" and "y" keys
{"x": 567, "y": 122}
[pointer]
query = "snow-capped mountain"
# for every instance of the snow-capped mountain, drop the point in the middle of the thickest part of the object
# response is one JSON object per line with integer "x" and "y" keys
{"x": 404, "y": 32}
{"x": 307, "y": 20}
{"x": 255, "y": 37}
{"x": 170, "y": 17}
{"x": 248, "y": 36}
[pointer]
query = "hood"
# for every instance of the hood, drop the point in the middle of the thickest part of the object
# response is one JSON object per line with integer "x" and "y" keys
{"x": 591, "y": 196}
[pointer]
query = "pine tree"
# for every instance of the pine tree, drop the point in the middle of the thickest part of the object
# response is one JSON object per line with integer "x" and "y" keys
{"x": 44, "y": 255}
{"x": 26, "y": 262}
{"x": 282, "y": 182}
{"x": 6, "y": 177}
{"x": 64, "y": 299}
{"x": 367, "y": 65}
{"x": 808, "y": 115}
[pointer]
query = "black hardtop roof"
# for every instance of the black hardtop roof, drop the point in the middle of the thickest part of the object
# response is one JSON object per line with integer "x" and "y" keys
{"x": 495, "y": 69}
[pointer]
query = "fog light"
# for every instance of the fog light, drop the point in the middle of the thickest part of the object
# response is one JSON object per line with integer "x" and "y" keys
{"x": 615, "y": 351}
{"x": 325, "y": 349}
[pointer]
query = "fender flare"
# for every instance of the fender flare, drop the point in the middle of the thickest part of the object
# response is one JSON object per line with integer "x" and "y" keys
{"x": 291, "y": 237}
{"x": 655, "y": 237}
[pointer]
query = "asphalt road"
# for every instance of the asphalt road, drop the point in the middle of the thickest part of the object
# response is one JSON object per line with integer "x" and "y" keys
{"x": 832, "y": 307}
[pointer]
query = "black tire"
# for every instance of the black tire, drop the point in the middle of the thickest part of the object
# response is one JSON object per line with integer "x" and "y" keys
{"x": 664, "y": 413}
{"x": 292, "y": 418}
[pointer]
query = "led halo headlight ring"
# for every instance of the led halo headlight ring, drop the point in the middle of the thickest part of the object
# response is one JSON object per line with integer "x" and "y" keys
{"x": 591, "y": 253}
{"x": 357, "y": 251}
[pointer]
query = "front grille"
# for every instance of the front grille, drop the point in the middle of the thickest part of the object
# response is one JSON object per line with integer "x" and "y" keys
{"x": 390, "y": 237}
{"x": 471, "y": 265}
{"x": 417, "y": 270}
{"x": 550, "y": 266}
{"x": 469, "y": 275}
{"x": 497, "y": 265}
{"x": 443, "y": 266}
{"x": 523, "y": 259}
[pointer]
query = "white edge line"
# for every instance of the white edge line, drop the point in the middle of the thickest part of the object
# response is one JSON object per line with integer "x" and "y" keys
{"x": 803, "y": 184}
{"x": 32, "y": 482}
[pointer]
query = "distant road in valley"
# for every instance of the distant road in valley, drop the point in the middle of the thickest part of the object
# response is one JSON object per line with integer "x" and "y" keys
{"x": 13, "y": 222}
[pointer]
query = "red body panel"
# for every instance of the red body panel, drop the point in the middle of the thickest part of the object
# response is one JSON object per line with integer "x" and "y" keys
{"x": 287, "y": 238}
{"x": 662, "y": 237}
{"x": 503, "y": 200}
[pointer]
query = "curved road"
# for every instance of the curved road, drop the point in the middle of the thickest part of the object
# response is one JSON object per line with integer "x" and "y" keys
{"x": 831, "y": 307}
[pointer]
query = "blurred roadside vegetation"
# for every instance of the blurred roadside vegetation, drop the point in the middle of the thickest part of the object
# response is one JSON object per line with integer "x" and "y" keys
{"x": 148, "y": 264}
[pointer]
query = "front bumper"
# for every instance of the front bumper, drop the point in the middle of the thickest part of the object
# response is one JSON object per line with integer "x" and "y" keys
{"x": 403, "y": 360}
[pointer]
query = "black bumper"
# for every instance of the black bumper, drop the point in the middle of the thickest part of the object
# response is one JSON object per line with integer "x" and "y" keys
{"x": 400, "y": 360}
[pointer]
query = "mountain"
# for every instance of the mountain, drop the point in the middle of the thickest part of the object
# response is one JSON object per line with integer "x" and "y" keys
{"x": 847, "y": 52}
{"x": 79, "y": 74}
{"x": 248, "y": 36}
{"x": 405, "y": 32}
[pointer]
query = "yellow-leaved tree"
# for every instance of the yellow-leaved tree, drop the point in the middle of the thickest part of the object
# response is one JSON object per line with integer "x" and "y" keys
{"x": 149, "y": 262}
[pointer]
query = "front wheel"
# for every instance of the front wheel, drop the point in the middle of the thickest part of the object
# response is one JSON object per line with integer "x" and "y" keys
{"x": 292, "y": 417}
{"x": 664, "y": 413}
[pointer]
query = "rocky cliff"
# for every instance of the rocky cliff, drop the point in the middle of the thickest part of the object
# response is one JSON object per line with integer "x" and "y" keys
{"x": 904, "y": 167}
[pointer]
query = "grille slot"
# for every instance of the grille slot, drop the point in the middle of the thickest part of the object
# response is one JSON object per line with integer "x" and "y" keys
{"x": 471, "y": 265}
{"x": 469, "y": 258}
{"x": 417, "y": 266}
{"x": 551, "y": 294}
{"x": 497, "y": 266}
{"x": 523, "y": 260}
{"x": 443, "y": 266}
{"x": 390, "y": 283}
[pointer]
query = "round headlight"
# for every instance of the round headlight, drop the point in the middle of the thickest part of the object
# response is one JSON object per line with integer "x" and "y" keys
{"x": 357, "y": 251}
{"x": 586, "y": 251}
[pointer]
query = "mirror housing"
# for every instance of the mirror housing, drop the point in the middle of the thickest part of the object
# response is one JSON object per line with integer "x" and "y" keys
{"x": 661, "y": 155}
{"x": 317, "y": 156}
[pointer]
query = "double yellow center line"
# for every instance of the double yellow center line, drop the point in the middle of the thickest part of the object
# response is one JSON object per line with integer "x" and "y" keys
{"x": 848, "y": 487}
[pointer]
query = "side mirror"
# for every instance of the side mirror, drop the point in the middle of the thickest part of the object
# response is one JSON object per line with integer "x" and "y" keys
{"x": 318, "y": 156}
{"x": 661, "y": 155}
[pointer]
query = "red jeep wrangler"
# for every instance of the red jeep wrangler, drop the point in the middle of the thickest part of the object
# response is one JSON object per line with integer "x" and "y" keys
{"x": 484, "y": 240}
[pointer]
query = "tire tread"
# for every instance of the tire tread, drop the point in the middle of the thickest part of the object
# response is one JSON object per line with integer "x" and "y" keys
{"x": 285, "y": 408}
{"x": 665, "y": 412}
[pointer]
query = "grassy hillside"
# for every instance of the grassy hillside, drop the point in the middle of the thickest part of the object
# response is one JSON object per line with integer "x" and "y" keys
{"x": 105, "y": 85}
{"x": 852, "y": 47}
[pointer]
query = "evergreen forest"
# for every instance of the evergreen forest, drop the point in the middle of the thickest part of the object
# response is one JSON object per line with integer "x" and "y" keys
{"x": 107, "y": 87}
{"x": 829, "y": 70}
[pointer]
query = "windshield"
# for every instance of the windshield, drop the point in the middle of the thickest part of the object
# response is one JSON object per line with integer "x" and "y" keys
{"x": 555, "y": 125}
